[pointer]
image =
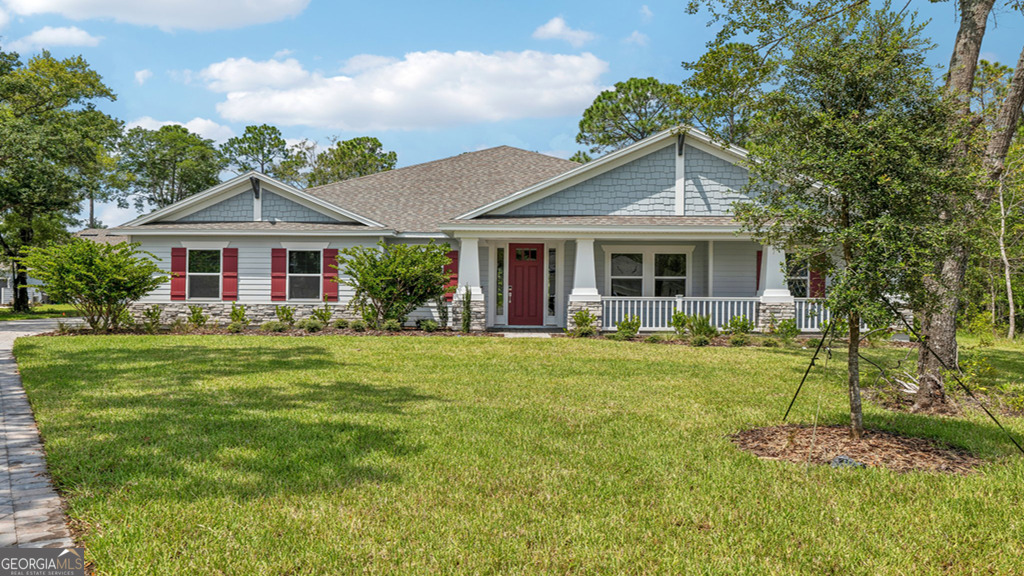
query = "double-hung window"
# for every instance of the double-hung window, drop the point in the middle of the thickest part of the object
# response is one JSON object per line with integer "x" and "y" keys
{"x": 204, "y": 274}
{"x": 798, "y": 276}
{"x": 669, "y": 274}
{"x": 304, "y": 274}
{"x": 627, "y": 274}
{"x": 648, "y": 270}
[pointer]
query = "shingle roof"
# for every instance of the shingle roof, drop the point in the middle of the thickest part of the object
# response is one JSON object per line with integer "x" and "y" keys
{"x": 418, "y": 198}
{"x": 243, "y": 226}
{"x": 507, "y": 222}
{"x": 100, "y": 236}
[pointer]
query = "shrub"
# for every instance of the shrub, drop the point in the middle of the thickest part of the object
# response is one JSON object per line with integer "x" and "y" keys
{"x": 341, "y": 323}
{"x": 442, "y": 311}
{"x": 739, "y": 340}
{"x": 679, "y": 321}
{"x": 99, "y": 280}
{"x": 324, "y": 314}
{"x": 981, "y": 325}
{"x": 392, "y": 325}
{"x": 197, "y": 317}
{"x": 238, "y": 314}
{"x": 628, "y": 327}
{"x": 392, "y": 280}
{"x": 151, "y": 318}
{"x": 701, "y": 326}
{"x": 310, "y": 325}
{"x": 585, "y": 324}
{"x": 236, "y": 327}
{"x": 428, "y": 325}
{"x": 771, "y": 343}
{"x": 126, "y": 320}
{"x": 273, "y": 326}
{"x": 467, "y": 311}
{"x": 358, "y": 325}
{"x": 787, "y": 330}
{"x": 178, "y": 325}
{"x": 285, "y": 314}
{"x": 700, "y": 340}
{"x": 739, "y": 325}
{"x": 654, "y": 339}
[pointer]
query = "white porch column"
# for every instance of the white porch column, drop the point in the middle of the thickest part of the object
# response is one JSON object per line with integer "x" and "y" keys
{"x": 773, "y": 278}
{"x": 469, "y": 268}
{"x": 584, "y": 279}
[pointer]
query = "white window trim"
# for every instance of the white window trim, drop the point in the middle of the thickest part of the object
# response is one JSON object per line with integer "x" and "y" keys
{"x": 319, "y": 276}
{"x": 806, "y": 277}
{"x": 648, "y": 264}
{"x": 219, "y": 275}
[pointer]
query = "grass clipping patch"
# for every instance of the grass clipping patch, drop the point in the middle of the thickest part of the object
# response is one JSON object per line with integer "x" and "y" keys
{"x": 802, "y": 444}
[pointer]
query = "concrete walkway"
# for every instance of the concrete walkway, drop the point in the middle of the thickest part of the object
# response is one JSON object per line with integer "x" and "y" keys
{"x": 31, "y": 514}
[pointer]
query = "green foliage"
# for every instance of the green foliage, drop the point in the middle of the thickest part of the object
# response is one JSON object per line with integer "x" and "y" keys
{"x": 341, "y": 324}
{"x": 347, "y": 159}
{"x": 166, "y": 165}
{"x": 310, "y": 325}
{"x": 770, "y": 343}
{"x": 392, "y": 325}
{"x": 739, "y": 339}
{"x": 324, "y": 314}
{"x": 392, "y": 280}
{"x": 238, "y": 314}
{"x": 739, "y": 325}
{"x": 126, "y": 320}
{"x": 581, "y": 157}
{"x": 842, "y": 326}
{"x": 679, "y": 321}
{"x": 151, "y": 318}
{"x": 628, "y": 327}
{"x": 630, "y": 112}
{"x": 358, "y": 325}
{"x": 700, "y": 340}
{"x": 654, "y": 339}
{"x": 260, "y": 148}
{"x": 467, "y": 311}
{"x": 787, "y": 329}
{"x": 981, "y": 325}
{"x": 701, "y": 326}
{"x": 197, "y": 316}
{"x": 285, "y": 314}
{"x": 99, "y": 280}
{"x": 443, "y": 308}
{"x": 236, "y": 327}
{"x": 428, "y": 325}
{"x": 584, "y": 324}
{"x": 274, "y": 326}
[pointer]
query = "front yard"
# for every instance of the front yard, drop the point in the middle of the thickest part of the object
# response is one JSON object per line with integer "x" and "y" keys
{"x": 329, "y": 454}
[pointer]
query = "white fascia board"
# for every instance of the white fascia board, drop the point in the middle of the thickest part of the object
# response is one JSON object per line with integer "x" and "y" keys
{"x": 434, "y": 235}
{"x": 372, "y": 233}
{"x": 709, "y": 232}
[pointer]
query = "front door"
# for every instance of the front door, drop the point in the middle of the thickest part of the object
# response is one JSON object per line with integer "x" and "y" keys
{"x": 526, "y": 284}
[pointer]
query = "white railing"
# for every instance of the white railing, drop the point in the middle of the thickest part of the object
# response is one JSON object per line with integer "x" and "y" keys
{"x": 811, "y": 314}
{"x": 656, "y": 313}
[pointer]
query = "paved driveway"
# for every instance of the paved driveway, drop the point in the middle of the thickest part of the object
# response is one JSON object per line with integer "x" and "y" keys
{"x": 31, "y": 514}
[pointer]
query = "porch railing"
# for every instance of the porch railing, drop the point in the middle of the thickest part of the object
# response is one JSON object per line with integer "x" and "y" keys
{"x": 811, "y": 314}
{"x": 656, "y": 313}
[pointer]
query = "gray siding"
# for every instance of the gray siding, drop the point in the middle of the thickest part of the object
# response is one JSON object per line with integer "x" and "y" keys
{"x": 735, "y": 268}
{"x": 712, "y": 184}
{"x": 238, "y": 208}
{"x": 278, "y": 208}
{"x": 643, "y": 187}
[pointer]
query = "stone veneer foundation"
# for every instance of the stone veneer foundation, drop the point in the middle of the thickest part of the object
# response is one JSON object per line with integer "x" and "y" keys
{"x": 220, "y": 312}
{"x": 595, "y": 308}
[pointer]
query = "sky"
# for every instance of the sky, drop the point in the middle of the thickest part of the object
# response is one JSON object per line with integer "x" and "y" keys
{"x": 429, "y": 79}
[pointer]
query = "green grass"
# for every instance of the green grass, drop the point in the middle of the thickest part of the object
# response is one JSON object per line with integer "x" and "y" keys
{"x": 39, "y": 311}
{"x": 338, "y": 455}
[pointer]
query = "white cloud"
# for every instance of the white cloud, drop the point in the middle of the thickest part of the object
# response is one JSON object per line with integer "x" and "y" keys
{"x": 202, "y": 126}
{"x": 646, "y": 13}
{"x": 557, "y": 29}
{"x": 50, "y": 37}
{"x": 113, "y": 215}
{"x": 142, "y": 75}
{"x": 423, "y": 90}
{"x": 236, "y": 74}
{"x": 167, "y": 14}
{"x": 364, "y": 62}
{"x": 283, "y": 52}
{"x": 638, "y": 38}
{"x": 4, "y": 18}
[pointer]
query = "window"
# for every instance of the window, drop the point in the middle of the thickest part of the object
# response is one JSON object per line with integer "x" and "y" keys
{"x": 669, "y": 274}
{"x": 204, "y": 274}
{"x": 304, "y": 274}
{"x": 798, "y": 276}
{"x": 552, "y": 276}
{"x": 499, "y": 295}
{"x": 627, "y": 274}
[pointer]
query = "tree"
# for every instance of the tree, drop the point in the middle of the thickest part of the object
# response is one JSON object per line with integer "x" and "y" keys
{"x": 856, "y": 168}
{"x": 294, "y": 168}
{"x": 166, "y": 165}
{"x": 51, "y": 139}
{"x": 347, "y": 159}
{"x": 581, "y": 157}
{"x": 99, "y": 280}
{"x": 392, "y": 280}
{"x": 630, "y": 112}
{"x": 260, "y": 148}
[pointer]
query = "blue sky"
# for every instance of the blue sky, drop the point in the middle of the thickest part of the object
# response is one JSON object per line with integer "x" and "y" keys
{"x": 429, "y": 79}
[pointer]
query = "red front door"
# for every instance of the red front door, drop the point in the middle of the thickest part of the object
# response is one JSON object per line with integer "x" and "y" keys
{"x": 526, "y": 284}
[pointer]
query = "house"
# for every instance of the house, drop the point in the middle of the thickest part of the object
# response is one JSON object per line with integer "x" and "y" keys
{"x": 645, "y": 231}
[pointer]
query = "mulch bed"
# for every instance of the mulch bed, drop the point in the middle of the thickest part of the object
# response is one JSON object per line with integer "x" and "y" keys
{"x": 294, "y": 332}
{"x": 800, "y": 444}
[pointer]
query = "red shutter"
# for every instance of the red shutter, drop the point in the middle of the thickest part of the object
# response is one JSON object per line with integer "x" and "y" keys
{"x": 817, "y": 287}
{"x": 330, "y": 274}
{"x": 452, "y": 269}
{"x": 178, "y": 258}
{"x": 757, "y": 283}
{"x": 278, "y": 274}
{"x": 229, "y": 274}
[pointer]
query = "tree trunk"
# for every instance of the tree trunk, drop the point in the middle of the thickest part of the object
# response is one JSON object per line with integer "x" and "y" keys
{"x": 92, "y": 211}
{"x": 20, "y": 303}
{"x": 853, "y": 382}
{"x": 1007, "y": 276}
{"x": 964, "y": 60}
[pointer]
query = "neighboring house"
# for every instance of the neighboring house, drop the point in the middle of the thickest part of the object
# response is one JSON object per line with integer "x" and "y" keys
{"x": 643, "y": 231}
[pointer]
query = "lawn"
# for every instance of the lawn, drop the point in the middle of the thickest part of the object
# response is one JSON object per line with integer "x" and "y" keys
{"x": 390, "y": 455}
{"x": 38, "y": 311}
